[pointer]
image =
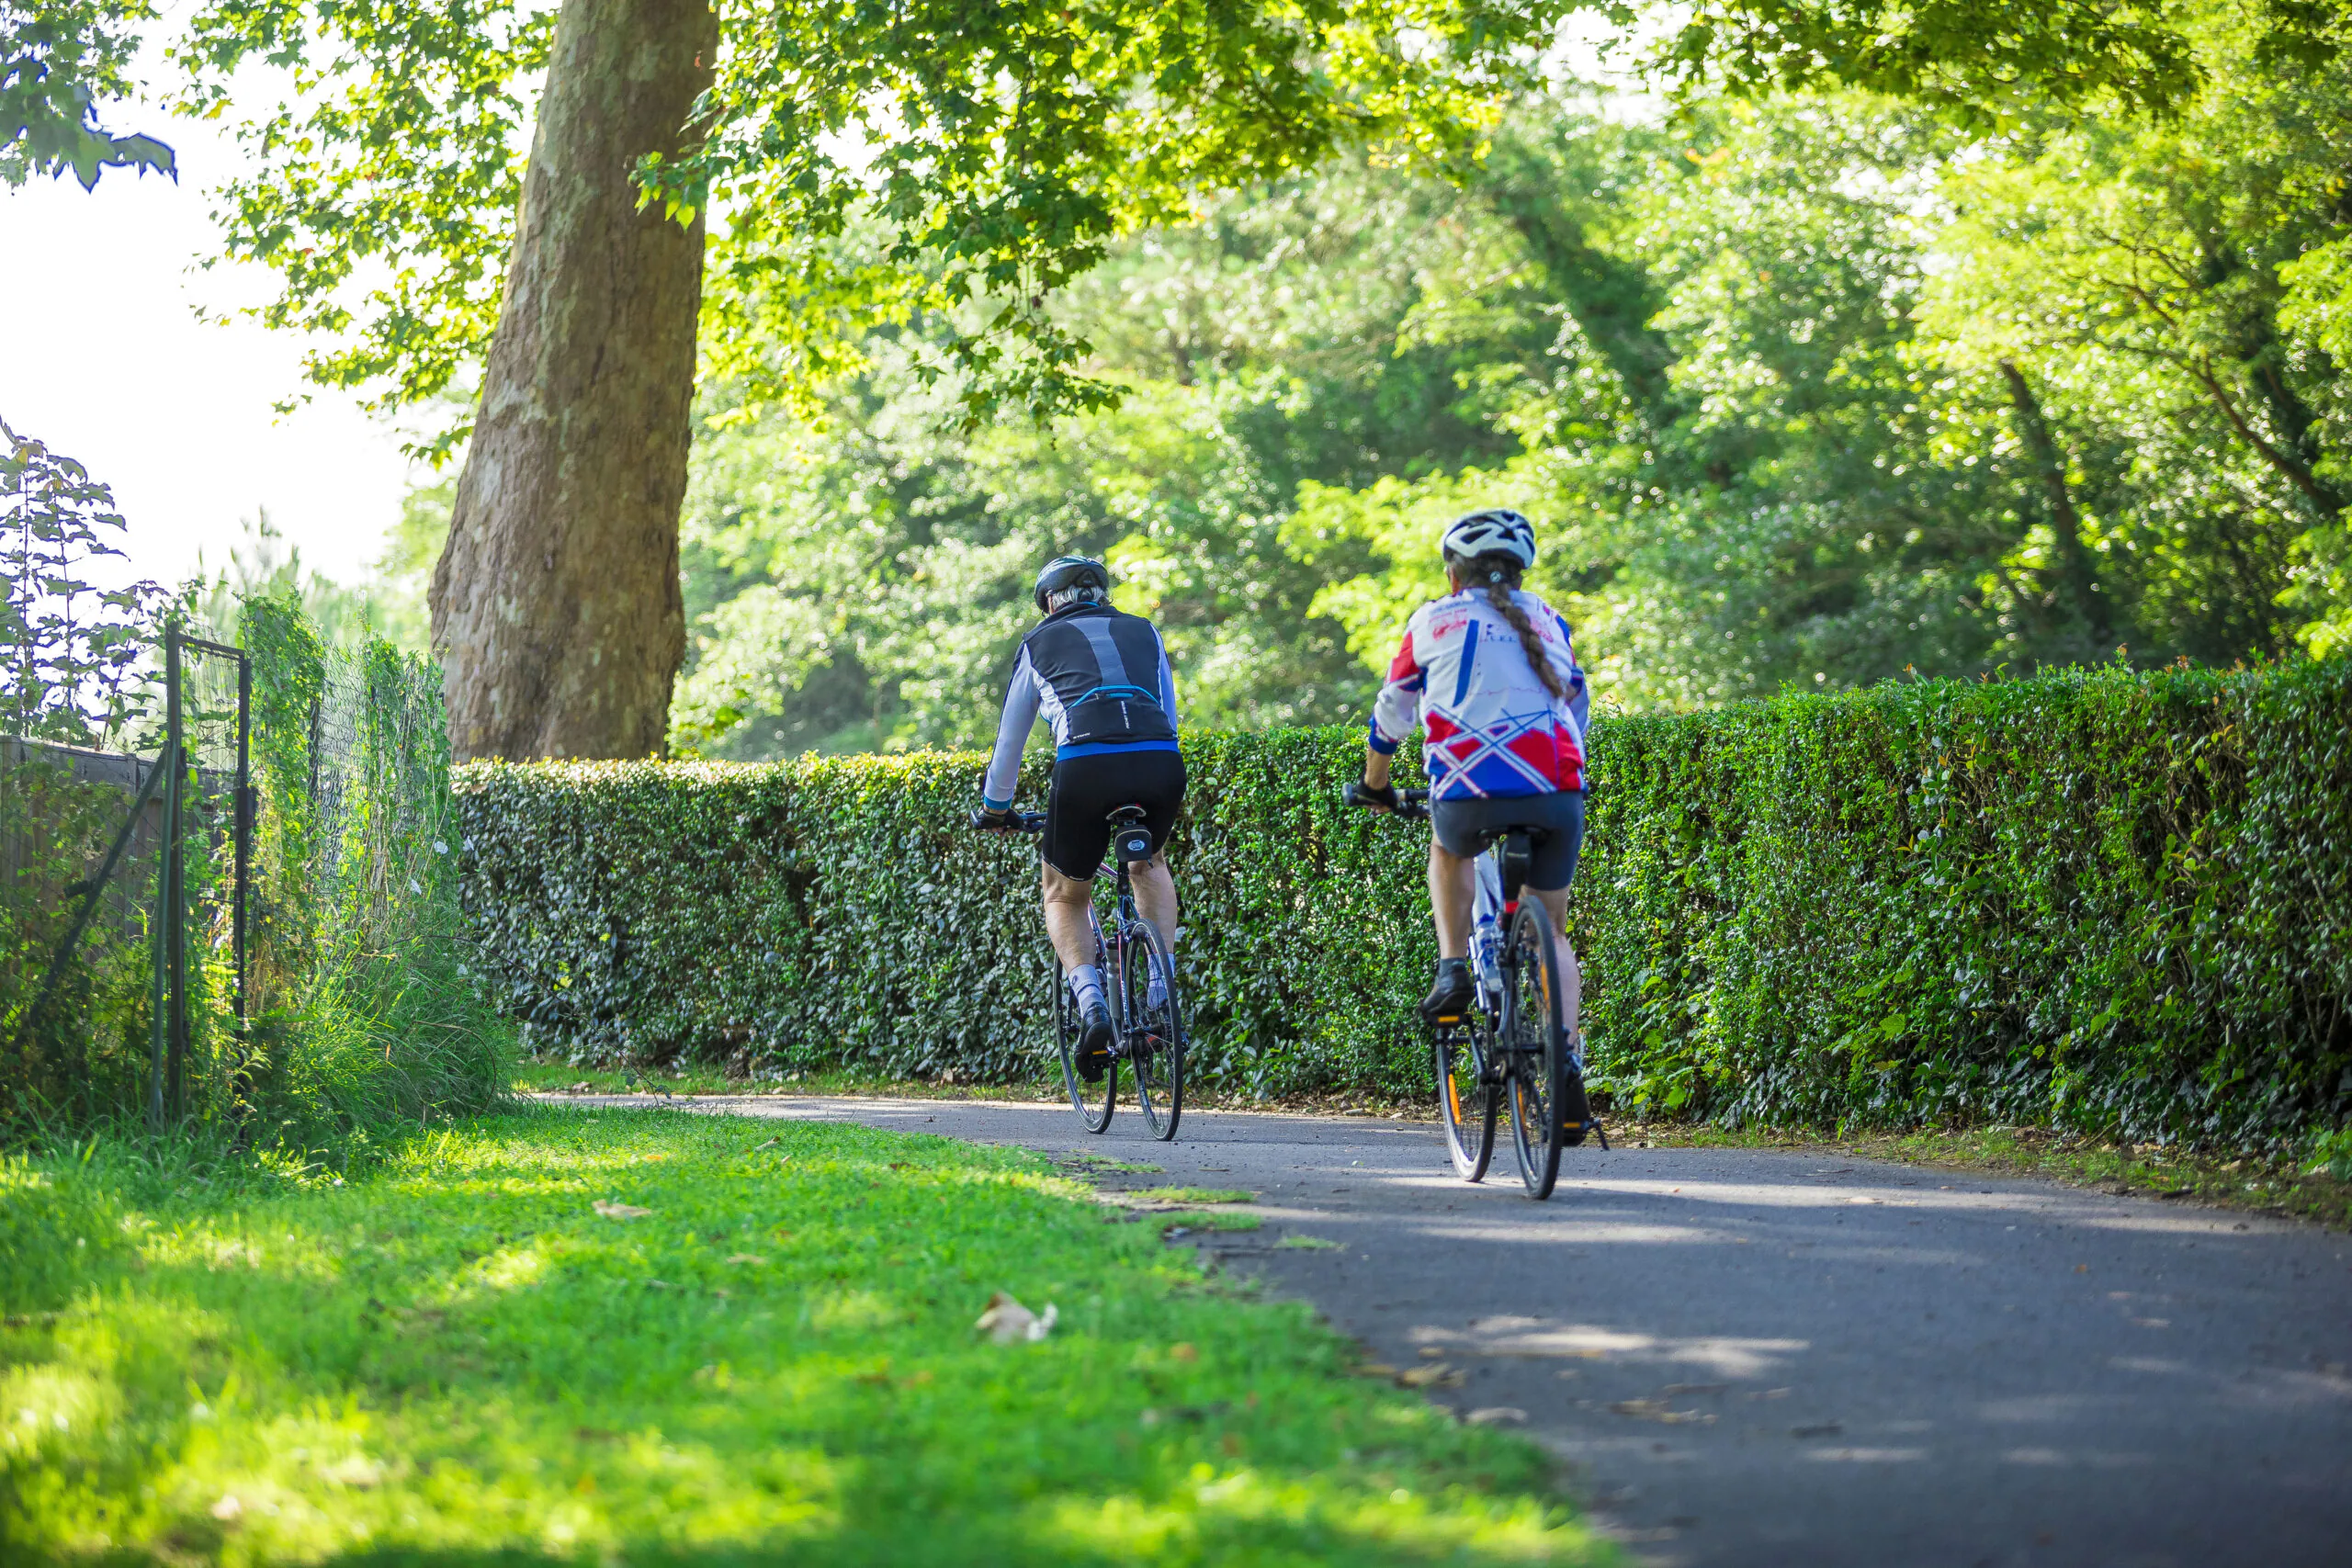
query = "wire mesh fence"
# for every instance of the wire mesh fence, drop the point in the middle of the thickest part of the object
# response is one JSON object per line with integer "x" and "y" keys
{"x": 265, "y": 933}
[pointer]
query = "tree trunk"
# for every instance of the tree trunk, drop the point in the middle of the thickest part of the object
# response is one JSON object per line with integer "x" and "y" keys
{"x": 2065, "y": 523}
{"x": 556, "y": 608}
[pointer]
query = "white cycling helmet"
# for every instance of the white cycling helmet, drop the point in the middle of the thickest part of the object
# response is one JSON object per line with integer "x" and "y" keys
{"x": 1497, "y": 531}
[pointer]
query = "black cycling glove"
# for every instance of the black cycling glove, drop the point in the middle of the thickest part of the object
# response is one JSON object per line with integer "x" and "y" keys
{"x": 989, "y": 819}
{"x": 1362, "y": 793}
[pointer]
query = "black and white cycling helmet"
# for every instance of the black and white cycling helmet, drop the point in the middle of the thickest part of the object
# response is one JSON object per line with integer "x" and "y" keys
{"x": 1497, "y": 531}
{"x": 1068, "y": 571}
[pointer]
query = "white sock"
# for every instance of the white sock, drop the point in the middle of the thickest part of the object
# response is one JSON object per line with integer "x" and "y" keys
{"x": 1085, "y": 983}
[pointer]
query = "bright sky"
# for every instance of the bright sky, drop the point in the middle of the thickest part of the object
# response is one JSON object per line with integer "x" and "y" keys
{"x": 103, "y": 359}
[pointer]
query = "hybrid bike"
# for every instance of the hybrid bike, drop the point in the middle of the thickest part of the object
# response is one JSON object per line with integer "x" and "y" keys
{"x": 1148, "y": 1036}
{"x": 1511, "y": 1046}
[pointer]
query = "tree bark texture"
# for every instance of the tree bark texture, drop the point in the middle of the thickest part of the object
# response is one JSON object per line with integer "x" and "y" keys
{"x": 556, "y": 609}
{"x": 2065, "y": 523}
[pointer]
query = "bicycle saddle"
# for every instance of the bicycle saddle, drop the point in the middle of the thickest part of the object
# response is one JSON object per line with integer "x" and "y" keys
{"x": 1130, "y": 841}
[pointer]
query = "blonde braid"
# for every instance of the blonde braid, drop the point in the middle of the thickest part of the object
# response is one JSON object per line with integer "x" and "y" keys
{"x": 1499, "y": 575}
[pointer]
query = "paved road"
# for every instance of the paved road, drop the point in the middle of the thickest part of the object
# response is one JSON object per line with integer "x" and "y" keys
{"x": 1768, "y": 1358}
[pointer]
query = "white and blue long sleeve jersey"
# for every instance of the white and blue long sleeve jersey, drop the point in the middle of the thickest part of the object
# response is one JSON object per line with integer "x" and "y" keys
{"x": 1101, "y": 678}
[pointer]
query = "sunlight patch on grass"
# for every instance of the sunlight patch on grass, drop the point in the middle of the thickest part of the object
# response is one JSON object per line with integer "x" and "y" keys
{"x": 458, "y": 1357}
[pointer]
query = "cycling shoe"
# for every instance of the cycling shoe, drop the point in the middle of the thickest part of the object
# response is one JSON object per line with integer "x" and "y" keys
{"x": 1576, "y": 1109}
{"x": 1094, "y": 1033}
{"x": 1451, "y": 995}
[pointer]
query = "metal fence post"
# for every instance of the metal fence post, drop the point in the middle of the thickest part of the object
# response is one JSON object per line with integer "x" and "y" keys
{"x": 157, "y": 1027}
{"x": 247, "y": 818}
{"x": 163, "y": 1037}
{"x": 175, "y": 868}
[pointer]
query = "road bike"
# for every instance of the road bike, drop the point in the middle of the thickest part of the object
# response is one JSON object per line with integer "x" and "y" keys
{"x": 1511, "y": 1046}
{"x": 1148, "y": 1036}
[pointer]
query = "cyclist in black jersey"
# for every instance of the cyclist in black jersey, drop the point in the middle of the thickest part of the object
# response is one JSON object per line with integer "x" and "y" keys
{"x": 1100, "y": 677}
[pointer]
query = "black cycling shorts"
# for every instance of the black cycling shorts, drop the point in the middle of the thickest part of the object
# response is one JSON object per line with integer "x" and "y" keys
{"x": 1467, "y": 827}
{"x": 1088, "y": 789}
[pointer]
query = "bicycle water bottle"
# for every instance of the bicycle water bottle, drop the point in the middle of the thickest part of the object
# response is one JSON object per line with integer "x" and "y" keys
{"x": 1487, "y": 930}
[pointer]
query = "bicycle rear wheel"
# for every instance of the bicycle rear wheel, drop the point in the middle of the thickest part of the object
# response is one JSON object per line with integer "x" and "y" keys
{"x": 1467, "y": 1098}
{"x": 1153, "y": 1036}
{"x": 1092, "y": 1101}
{"x": 1535, "y": 1048}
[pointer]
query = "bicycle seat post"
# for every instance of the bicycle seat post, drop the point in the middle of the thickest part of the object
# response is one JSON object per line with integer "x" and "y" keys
{"x": 1516, "y": 853}
{"x": 1130, "y": 847}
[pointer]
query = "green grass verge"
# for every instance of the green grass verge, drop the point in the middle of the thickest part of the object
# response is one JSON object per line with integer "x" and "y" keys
{"x": 704, "y": 1077}
{"x": 1189, "y": 1195}
{"x": 2262, "y": 1186}
{"x": 453, "y": 1357}
{"x": 1206, "y": 1220}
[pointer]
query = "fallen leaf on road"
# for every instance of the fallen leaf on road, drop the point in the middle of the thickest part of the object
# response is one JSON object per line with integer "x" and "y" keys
{"x": 1007, "y": 1322}
{"x": 1497, "y": 1415}
{"x": 613, "y": 1211}
{"x": 1376, "y": 1369}
{"x": 1436, "y": 1373}
{"x": 1656, "y": 1410}
{"x": 1674, "y": 1388}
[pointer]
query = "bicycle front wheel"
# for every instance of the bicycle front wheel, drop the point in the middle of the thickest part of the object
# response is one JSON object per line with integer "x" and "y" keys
{"x": 1153, "y": 1035}
{"x": 1535, "y": 1048}
{"x": 1467, "y": 1096}
{"x": 1092, "y": 1101}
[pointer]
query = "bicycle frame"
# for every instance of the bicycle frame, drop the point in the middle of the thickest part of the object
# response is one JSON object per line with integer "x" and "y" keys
{"x": 1138, "y": 977}
{"x": 1504, "y": 1059}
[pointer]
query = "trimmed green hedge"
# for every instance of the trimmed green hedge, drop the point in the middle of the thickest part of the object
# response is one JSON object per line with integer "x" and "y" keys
{"x": 2102, "y": 900}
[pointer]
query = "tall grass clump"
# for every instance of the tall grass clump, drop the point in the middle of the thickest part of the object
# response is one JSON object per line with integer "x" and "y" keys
{"x": 365, "y": 1008}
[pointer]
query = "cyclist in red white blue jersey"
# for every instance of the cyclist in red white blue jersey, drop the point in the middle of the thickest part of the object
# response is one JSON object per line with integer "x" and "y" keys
{"x": 1490, "y": 674}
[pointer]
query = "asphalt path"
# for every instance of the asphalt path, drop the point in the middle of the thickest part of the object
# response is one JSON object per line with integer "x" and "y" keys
{"x": 1760, "y": 1357}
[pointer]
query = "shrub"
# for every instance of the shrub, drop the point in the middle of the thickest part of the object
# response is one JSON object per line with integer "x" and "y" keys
{"x": 2106, "y": 901}
{"x": 2100, "y": 900}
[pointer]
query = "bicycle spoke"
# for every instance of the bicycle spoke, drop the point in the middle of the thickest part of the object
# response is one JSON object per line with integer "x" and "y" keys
{"x": 1093, "y": 1102}
{"x": 1467, "y": 1097}
{"x": 1152, "y": 1034}
{"x": 1538, "y": 1048}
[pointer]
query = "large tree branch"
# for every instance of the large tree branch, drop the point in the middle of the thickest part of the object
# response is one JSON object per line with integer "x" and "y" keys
{"x": 2292, "y": 469}
{"x": 2075, "y": 562}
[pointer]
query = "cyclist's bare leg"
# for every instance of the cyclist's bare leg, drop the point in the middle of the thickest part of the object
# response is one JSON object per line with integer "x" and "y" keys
{"x": 1453, "y": 885}
{"x": 1556, "y": 904}
{"x": 1156, "y": 897}
{"x": 1066, "y": 901}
